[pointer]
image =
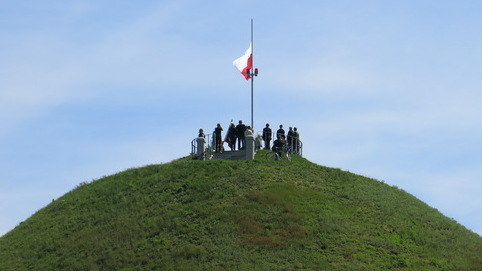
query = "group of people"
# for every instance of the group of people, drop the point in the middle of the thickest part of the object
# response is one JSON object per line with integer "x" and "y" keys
{"x": 290, "y": 142}
{"x": 237, "y": 133}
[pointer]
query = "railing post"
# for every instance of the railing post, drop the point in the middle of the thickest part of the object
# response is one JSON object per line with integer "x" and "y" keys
{"x": 250, "y": 147}
{"x": 201, "y": 146}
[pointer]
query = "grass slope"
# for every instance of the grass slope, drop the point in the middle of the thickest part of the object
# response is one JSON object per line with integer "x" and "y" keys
{"x": 246, "y": 215}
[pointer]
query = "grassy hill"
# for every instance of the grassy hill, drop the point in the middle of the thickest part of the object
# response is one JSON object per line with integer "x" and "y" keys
{"x": 239, "y": 215}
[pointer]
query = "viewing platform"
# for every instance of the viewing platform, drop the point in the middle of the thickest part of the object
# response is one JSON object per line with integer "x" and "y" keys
{"x": 204, "y": 149}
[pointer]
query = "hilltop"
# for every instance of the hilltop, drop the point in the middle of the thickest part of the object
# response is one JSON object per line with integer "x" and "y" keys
{"x": 246, "y": 215}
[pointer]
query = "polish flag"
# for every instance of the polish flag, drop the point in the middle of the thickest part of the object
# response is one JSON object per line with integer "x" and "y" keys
{"x": 245, "y": 63}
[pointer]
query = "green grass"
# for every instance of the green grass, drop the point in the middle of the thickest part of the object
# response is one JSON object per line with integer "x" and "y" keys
{"x": 239, "y": 215}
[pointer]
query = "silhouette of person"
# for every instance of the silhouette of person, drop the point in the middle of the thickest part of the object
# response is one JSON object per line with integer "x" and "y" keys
{"x": 296, "y": 141}
{"x": 290, "y": 139}
{"x": 231, "y": 137}
{"x": 280, "y": 132}
{"x": 278, "y": 145}
{"x": 218, "y": 137}
{"x": 201, "y": 133}
{"x": 267, "y": 137}
{"x": 240, "y": 129}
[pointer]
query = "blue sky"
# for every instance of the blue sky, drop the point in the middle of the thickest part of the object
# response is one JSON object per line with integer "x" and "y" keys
{"x": 385, "y": 89}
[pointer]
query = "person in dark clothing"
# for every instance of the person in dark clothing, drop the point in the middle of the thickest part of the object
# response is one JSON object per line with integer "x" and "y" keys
{"x": 240, "y": 129}
{"x": 280, "y": 132}
{"x": 267, "y": 136}
{"x": 296, "y": 141}
{"x": 231, "y": 137}
{"x": 290, "y": 140}
{"x": 278, "y": 145}
{"x": 218, "y": 137}
{"x": 201, "y": 133}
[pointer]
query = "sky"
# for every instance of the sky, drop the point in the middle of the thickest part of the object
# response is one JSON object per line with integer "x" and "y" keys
{"x": 386, "y": 89}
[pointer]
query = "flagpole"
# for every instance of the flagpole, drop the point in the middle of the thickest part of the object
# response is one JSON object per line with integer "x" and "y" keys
{"x": 252, "y": 76}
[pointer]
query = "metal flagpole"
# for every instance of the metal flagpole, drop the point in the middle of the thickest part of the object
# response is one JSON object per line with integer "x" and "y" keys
{"x": 252, "y": 75}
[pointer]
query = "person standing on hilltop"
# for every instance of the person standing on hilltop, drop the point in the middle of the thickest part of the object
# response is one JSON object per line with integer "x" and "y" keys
{"x": 267, "y": 137}
{"x": 231, "y": 137}
{"x": 296, "y": 140}
{"x": 240, "y": 129}
{"x": 280, "y": 132}
{"x": 278, "y": 145}
{"x": 218, "y": 137}
{"x": 290, "y": 139}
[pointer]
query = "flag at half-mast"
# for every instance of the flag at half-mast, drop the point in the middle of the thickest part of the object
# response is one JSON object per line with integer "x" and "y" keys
{"x": 245, "y": 63}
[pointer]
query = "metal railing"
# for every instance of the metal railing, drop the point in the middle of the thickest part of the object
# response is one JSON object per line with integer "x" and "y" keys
{"x": 210, "y": 143}
{"x": 296, "y": 145}
{"x": 208, "y": 151}
{"x": 194, "y": 146}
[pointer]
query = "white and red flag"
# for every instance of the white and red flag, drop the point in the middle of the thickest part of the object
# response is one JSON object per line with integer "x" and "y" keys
{"x": 245, "y": 63}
